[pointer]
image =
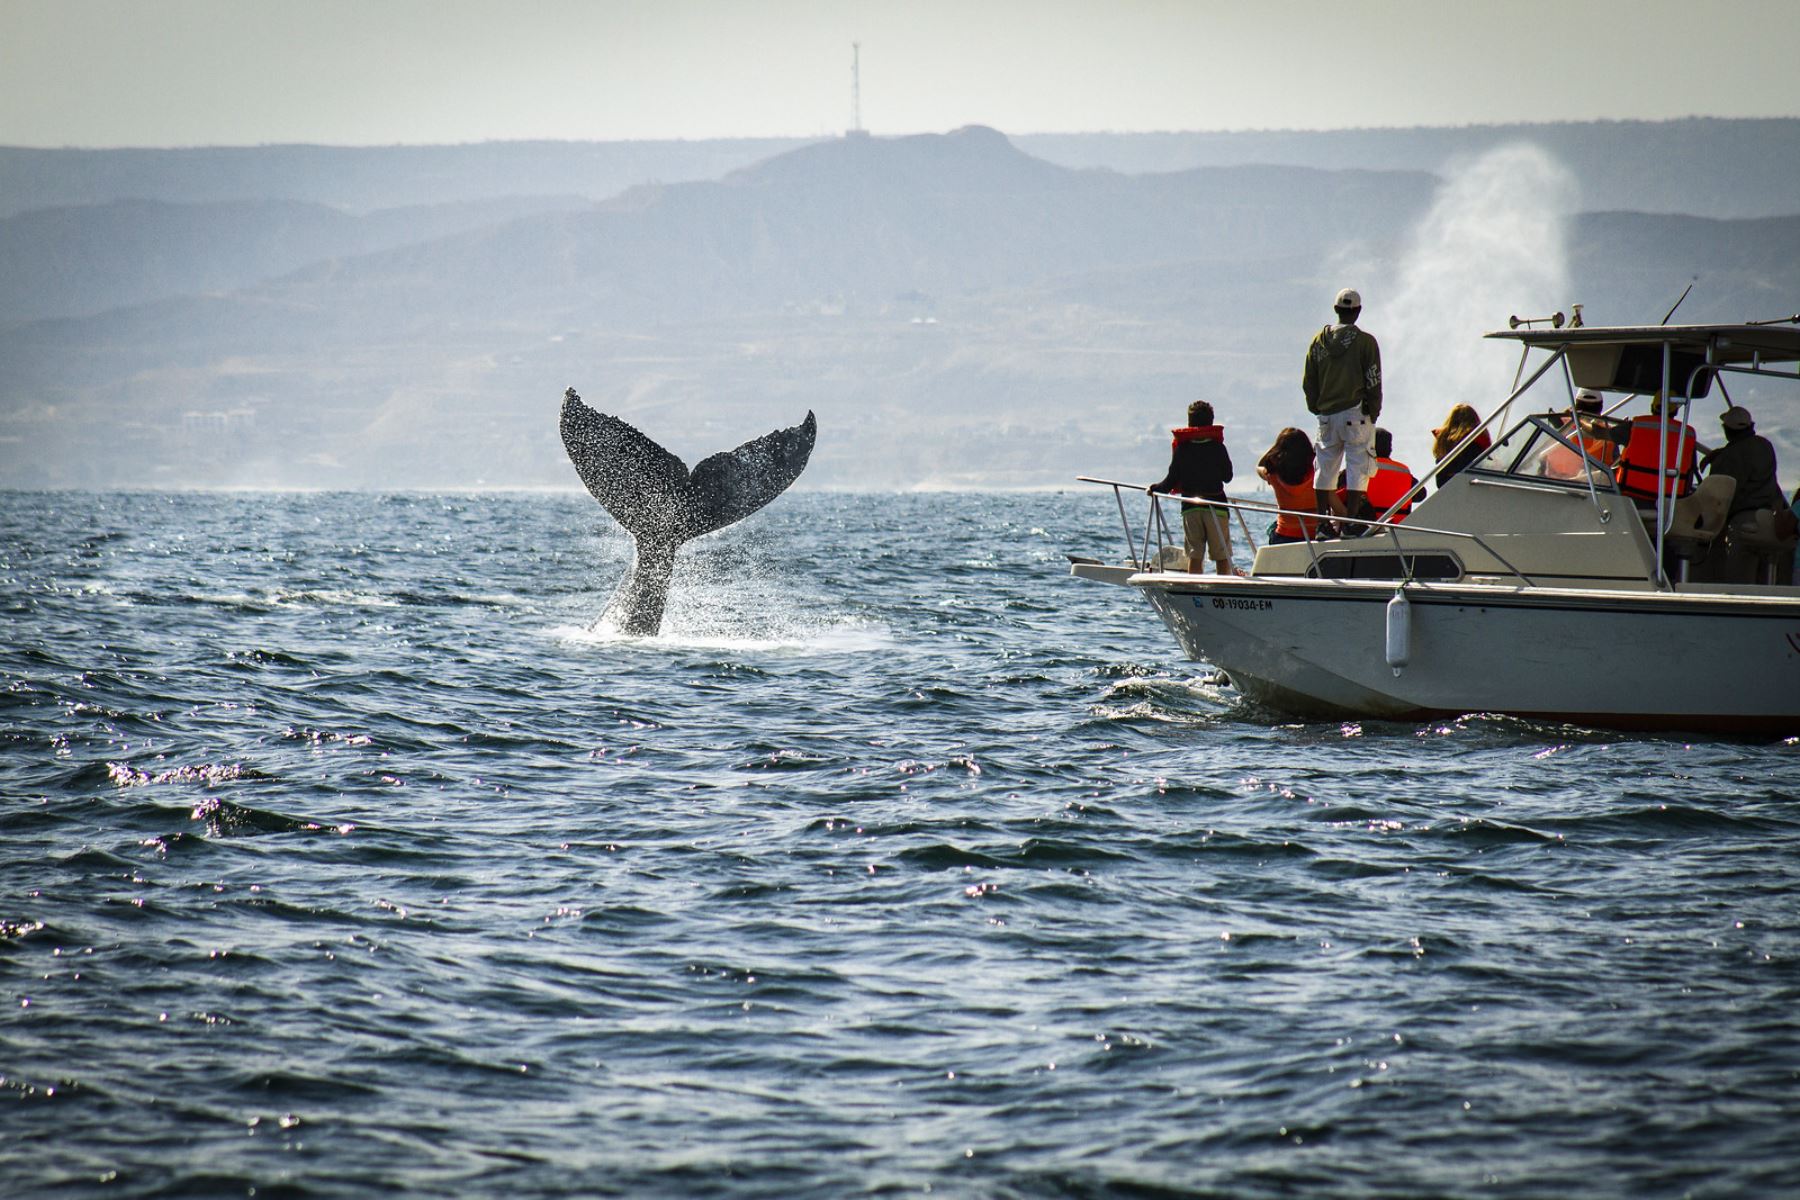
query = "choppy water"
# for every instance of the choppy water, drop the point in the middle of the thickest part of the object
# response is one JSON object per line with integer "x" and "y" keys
{"x": 340, "y": 860}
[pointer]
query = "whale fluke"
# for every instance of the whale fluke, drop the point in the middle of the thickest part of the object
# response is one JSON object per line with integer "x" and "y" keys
{"x": 652, "y": 494}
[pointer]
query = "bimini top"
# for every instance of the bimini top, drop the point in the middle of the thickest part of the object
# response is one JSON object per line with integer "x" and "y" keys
{"x": 1629, "y": 358}
{"x": 1728, "y": 343}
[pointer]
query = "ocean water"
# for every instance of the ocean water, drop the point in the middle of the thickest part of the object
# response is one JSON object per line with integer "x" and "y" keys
{"x": 343, "y": 858}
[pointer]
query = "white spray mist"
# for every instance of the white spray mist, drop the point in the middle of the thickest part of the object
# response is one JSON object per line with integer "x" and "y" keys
{"x": 1491, "y": 246}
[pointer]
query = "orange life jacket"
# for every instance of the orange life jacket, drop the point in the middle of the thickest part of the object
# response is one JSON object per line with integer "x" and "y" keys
{"x": 1295, "y": 495}
{"x": 1392, "y": 479}
{"x": 1636, "y": 472}
{"x": 1196, "y": 433}
{"x": 1560, "y": 462}
{"x": 1598, "y": 447}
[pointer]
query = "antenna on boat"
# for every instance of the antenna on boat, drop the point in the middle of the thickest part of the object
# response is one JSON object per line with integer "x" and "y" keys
{"x": 1677, "y": 304}
{"x": 1793, "y": 320}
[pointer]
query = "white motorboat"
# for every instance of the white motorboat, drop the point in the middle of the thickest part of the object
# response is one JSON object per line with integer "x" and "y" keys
{"x": 1518, "y": 588}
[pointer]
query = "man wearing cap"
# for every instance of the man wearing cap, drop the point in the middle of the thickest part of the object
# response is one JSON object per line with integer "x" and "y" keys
{"x": 1342, "y": 383}
{"x": 1753, "y": 534}
{"x": 1585, "y": 426}
{"x": 1749, "y": 458}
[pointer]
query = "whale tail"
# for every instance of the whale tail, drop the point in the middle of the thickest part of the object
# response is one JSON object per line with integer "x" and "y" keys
{"x": 653, "y": 495}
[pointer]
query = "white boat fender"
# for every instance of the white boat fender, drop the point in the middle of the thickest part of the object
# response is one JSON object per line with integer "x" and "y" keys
{"x": 1399, "y": 631}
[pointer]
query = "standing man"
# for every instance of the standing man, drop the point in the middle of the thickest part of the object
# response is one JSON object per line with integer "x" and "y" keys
{"x": 1343, "y": 390}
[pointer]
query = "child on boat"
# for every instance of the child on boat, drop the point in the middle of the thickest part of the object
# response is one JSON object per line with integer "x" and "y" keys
{"x": 1200, "y": 466}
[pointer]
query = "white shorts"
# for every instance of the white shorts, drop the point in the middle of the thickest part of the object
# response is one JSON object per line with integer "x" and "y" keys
{"x": 1345, "y": 439}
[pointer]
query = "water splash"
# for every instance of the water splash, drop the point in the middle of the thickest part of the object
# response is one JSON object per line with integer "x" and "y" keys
{"x": 746, "y": 609}
{"x": 1493, "y": 244}
{"x": 842, "y": 635}
{"x": 744, "y": 590}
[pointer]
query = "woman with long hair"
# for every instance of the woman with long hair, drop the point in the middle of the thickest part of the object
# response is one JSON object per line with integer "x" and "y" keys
{"x": 1288, "y": 468}
{"x": 1461, "y": 421}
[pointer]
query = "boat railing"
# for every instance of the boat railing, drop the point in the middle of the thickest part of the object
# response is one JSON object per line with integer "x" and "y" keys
{"x": 1156, "y": 527}
{"x": 1559, "y": 355}
{"x": 1493, "y": 418}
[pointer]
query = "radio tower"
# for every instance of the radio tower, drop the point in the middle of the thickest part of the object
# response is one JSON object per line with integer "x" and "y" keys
{"x": 856, "y": 129}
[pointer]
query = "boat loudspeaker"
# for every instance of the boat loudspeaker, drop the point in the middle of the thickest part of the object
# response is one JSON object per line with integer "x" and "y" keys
{"x": 1555, "y": 321}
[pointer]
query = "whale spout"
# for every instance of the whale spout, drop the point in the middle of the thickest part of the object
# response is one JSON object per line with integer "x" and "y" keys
{"x": 661, "y": 504}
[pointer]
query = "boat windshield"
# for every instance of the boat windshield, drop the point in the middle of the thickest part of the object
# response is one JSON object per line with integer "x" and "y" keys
{"x": 1545, "y": 448}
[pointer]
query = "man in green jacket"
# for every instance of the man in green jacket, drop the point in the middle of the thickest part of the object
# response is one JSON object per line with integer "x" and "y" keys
{"x": 1343, "y": 390}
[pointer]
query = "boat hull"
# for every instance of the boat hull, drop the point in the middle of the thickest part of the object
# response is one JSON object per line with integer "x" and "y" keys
{"x": 1645, "y": 660}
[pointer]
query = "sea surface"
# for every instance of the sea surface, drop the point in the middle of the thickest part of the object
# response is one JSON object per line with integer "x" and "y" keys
{"x": 344, "y": 857}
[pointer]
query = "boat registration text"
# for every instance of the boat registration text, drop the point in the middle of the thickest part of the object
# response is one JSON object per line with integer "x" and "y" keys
{"x": 1238, "y": 602}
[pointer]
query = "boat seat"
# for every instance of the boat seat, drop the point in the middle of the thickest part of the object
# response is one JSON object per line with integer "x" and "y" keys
{"x": 1752, "y": 535}
{"x": 1697, "y": 521}
{"x": 1170, "y": 558}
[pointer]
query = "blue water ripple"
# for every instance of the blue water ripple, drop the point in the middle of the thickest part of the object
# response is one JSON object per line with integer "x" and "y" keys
{"x": 345, "y": 857}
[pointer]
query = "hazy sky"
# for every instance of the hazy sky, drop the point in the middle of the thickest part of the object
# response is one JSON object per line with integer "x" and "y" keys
{"x": 354, "y": 72}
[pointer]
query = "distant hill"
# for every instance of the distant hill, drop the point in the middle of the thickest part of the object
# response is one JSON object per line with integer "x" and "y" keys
{"x": 1704, "y": 166}
{"x": 77, "y": 261}
{"x": 848, "y": 226}
{"x": 957, "y": 312}
{"x": 1742, "y": 270}
{"x": 363, "y": 178}
{"x": 1726, "y": 168}
{"x": 857, "y": 225}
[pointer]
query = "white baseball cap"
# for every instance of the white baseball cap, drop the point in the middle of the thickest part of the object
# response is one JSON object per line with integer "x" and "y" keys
{"x": 1348, "y": 298}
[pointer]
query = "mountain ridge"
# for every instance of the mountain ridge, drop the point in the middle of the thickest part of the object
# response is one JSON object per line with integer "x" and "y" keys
{"x": 953, "y": 310}
{"x": 83, "y": 259}
{"x": 1707, "y": 166}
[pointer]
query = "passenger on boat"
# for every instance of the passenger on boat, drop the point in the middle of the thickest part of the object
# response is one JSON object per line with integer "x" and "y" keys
{"x": 1342, "y": 383}
{"x": 1287, "y": 467}
{"x": 1638, "y": 463}
{"x": 1749, "y": 458}
{"x": 1591, "y": 418}
{"x": 1754, "y": 531}
{"x": 1585, "y": 426}
{"x": 1461, "y": 421}
{"x": 1199, "y": 465}
{"x": 1392, "y": 480}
